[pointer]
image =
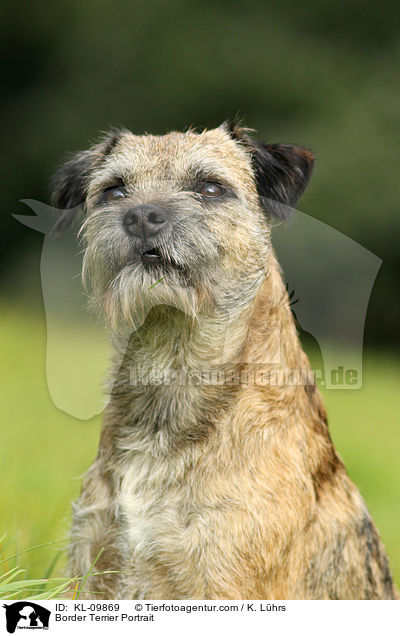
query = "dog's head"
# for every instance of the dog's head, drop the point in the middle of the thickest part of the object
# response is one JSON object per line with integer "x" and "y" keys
{"x": 181, "y": 219}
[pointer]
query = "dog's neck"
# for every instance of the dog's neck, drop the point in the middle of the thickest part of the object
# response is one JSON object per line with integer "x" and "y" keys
{"x": 179, "y": 373}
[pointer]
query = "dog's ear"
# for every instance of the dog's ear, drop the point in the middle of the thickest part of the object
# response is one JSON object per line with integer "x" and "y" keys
{"x": 71, "y": 180}
{"x": 69, "y": 186}
{"x": 281, "y": 171}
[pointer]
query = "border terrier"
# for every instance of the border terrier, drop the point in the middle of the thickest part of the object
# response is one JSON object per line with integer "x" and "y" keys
{"x": 206, "y": 489}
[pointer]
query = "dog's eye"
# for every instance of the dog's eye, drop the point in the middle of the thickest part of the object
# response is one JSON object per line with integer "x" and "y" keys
{"x": 210, "y": 190}
{"x": 114, "y": 193}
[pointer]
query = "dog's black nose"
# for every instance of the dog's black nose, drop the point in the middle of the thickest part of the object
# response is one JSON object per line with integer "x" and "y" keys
{"x": 145, "y": 220}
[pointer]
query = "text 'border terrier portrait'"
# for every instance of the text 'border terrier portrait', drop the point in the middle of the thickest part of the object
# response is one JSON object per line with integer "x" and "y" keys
{"x": 206, "y": 489}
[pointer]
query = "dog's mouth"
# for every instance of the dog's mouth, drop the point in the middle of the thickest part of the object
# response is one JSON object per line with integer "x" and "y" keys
{"x": 153, "y": 259}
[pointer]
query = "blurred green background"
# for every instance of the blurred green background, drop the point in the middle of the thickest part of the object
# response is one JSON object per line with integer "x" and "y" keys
{"x": 322, "y": 74}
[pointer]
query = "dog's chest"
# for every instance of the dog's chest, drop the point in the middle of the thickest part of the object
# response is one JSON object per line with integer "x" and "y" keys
{"x": 161, "y": 522}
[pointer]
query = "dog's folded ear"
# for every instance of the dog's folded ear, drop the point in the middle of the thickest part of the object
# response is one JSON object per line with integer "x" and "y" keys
{"x": 70, "y": 182}
{"x": 281, "y": 171}
{"x": 69, "y": 186}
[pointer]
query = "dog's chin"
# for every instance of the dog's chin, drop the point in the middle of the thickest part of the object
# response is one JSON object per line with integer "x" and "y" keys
{"x": 150, "y": 269}
{"x": 143, "y": 284}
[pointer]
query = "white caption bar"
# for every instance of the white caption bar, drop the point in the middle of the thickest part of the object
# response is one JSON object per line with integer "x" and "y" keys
{"x": 150, "y": 617}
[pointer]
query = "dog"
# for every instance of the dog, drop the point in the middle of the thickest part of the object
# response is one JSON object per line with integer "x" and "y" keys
{"x": 206, "y": 489}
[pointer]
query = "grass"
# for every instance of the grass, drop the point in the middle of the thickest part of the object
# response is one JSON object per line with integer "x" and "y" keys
{"x": 44, "y": 451}
{"x": 13, "y": 584}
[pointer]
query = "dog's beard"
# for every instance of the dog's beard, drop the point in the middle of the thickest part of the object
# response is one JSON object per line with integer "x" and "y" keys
{"x": 193, "y": 272}
{"x": 126, "y": 291}
{"x": 124, "y": 283}
{"x": 134, "y": 292}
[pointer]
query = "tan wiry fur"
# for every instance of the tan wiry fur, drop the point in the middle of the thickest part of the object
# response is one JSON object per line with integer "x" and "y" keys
{"x": 226, "y": 490}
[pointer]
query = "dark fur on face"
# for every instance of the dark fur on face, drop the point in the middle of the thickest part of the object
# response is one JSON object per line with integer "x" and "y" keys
{"x": 70, "y": 182}
{"x": 282, "y": 171}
